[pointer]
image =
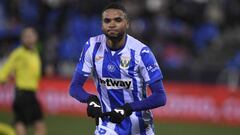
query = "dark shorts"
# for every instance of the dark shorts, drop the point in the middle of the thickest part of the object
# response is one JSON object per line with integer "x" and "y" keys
{"x": 26, "y": 107}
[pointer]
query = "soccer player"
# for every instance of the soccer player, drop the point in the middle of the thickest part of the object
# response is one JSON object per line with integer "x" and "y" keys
{"x": 25, "y": 63}
{"x": 122, "y": 67}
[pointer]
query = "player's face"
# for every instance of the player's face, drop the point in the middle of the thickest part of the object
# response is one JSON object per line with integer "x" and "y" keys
{"x": 29, "y": 37}
{"x": 114, "y": 23}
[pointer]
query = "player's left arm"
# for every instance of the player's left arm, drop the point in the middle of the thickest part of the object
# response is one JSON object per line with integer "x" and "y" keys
{"x": 152, "y": 75}
{"x": 157, "y": 99}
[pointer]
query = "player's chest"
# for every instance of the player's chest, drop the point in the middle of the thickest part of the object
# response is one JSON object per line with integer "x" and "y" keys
{"x": 115, "y": 65}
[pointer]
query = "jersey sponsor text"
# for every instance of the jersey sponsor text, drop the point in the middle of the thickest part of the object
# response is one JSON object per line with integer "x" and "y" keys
{"x": 111, "y": 83}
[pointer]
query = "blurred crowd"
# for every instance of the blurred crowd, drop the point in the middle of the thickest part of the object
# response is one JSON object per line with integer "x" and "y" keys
{"x": 197, "y": 40}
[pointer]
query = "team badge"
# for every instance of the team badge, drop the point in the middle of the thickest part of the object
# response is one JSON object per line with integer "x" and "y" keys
{"x": 124, "y": 62}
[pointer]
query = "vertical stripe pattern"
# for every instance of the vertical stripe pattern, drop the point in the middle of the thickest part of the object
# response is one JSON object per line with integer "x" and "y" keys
{"x": 120, "y": 78}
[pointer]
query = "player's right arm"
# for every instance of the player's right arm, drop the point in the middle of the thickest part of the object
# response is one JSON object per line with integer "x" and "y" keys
{"x": 80, "y": 76}
{"x": 82, "y": 71}
{"x": 8, "y": 66}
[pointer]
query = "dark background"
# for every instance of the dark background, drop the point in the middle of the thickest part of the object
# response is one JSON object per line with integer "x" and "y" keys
{"x": 193, "y": 40}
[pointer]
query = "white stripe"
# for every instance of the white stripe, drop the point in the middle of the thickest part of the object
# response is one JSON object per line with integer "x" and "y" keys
{"x": 135, "y": 124}
{"x": 144, "y": 72}
{"x": 150, "y": 131}
{"x": 136, "y": 128}
{"x": 87, "y": 65}
{"x": 111, "y": 125}
{"x": 140, "y": 87}
{"x": 128, "y": 97}
{"x": 99, "y": 63}
{"x": 109, "y": 128}
{"x": 105, "y": 99}
{"x": 127, "y": 94}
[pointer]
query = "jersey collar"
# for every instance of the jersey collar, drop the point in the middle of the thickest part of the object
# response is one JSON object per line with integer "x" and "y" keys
{"x": 119, "y": 51}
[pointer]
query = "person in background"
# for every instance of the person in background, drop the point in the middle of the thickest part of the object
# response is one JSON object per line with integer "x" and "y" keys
{"x": 122, "y": 67}
{"x": 24, "y": 63}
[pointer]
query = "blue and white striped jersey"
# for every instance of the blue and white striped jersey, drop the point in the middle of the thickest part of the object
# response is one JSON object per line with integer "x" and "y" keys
{"x": 121, "y": 77}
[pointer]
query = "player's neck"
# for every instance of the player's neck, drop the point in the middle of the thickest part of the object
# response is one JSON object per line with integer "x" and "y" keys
{"x": 30, "y": 48}
{"x": 117, "y": 43}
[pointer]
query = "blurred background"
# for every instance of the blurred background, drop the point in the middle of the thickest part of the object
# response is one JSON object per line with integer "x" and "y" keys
{"x": 196, "y": 43}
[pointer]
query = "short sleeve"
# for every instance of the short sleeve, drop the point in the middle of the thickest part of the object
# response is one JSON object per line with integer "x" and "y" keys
{"x": 149, "y": 67}
{"x": 85, "y": 61}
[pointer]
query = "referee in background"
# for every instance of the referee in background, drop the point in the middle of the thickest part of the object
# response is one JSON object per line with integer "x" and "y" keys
{"x": 24, "y": 62}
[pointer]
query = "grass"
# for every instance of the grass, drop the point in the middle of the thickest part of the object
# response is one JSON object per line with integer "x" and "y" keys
{"x": 68, "y": 125}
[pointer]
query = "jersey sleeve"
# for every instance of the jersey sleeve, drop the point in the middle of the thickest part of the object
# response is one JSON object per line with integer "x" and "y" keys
{"x": 149, "y": 67}
{"x": 8, "y": 67}
{"x": 85, "y": 61}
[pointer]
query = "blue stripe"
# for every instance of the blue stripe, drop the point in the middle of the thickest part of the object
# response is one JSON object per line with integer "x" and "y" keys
{"x": 131, "y": 73}
{"x": 135, "y": 92}
{"x": 82, "y": 57}
{"x": 124, "y": 128}
{"x": 115, "y": 96}
{"x": 96, "y": 47}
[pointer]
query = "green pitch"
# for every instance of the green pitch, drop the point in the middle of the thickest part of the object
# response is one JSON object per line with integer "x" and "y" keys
{"x": 65, "y": 125}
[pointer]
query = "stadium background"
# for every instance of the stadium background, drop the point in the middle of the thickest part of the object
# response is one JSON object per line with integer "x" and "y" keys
{"x": 196, "y": 43}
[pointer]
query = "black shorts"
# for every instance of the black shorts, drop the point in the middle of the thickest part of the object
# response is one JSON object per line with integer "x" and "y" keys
{"x": 26, "y": 107}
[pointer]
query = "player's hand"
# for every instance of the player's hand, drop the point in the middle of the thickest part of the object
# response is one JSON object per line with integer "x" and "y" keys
{"x": 119, "y": 114}
{"x": 94, "y": 107}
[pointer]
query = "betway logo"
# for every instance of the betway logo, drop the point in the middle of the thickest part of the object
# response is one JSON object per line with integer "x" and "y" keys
{"x": 111, "y": 83}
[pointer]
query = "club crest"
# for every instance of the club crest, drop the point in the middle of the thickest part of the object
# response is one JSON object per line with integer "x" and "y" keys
{"x": 124, "y": 62}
